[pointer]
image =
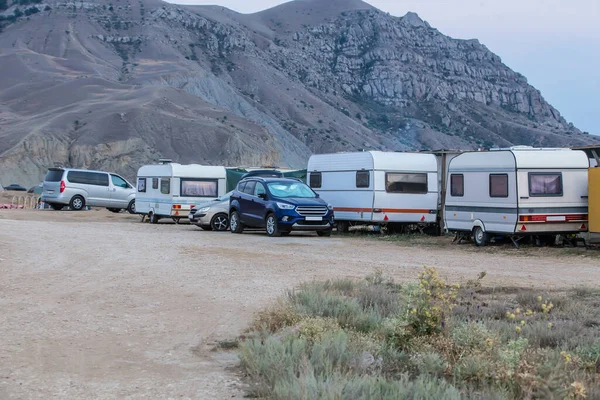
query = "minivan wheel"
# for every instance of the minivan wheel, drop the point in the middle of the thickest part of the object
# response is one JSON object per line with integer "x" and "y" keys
{"x": 131, "y": 207}
{"x": 57, "y": 207}
{"x": 271, "y": 226}
{"x": 235, "y": 225}
{"x": 479, "y": 236}
{"x": 77, "y": 203}
{"x": 220, "y": 222}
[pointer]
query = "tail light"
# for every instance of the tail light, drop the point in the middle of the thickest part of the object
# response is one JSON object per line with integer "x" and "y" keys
{"x": 62, "y": 186}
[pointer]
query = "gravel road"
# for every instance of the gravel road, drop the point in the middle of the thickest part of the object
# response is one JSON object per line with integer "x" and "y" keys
{"x": 98, "y": 305}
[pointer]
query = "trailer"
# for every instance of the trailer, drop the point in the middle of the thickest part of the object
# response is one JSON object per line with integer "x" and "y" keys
{"x": 377, "y": 188}
{"x": 170, "y": 190}
{"x": 517, "y": 192}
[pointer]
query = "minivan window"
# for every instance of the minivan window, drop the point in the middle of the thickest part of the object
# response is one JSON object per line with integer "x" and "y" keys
{"x": 54, "y": 175}
{"x": 118, "y": 181}
{"x": 249, "y": 188}
{"x": 88, "y": 178}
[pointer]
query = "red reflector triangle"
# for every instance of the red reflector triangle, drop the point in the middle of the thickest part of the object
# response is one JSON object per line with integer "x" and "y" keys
{"x": 422, "y": 218}
{"x": 523, "y": 228}
{"x": 583, "y": 226}
{"x": 385, "y": 218}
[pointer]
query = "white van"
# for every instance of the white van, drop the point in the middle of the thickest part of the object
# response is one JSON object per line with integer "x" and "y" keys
{"x": 172, "y": 190}
{"x": 377, "y": 188}
{"x": 517, "y": 191}
{"x": 78, "y": 188}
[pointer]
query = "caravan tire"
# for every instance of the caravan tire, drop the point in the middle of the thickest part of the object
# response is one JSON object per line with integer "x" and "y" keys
{"x": 235, "y": 225}
{"x": 342, "y": 226}
{"x": 479, "y": 236}
{"x": 153, "y": 218}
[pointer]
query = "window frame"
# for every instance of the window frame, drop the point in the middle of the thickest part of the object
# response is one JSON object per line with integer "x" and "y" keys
{"x": 462, "y": 178}
{"x": 182, "y": 180}
{"x": 490, "y": 186}
{"x": 320, "y": 179}
{"x": 387, "y": 174}
{"x": 368, "y": 175}
{"x": 168, "y": 185}
{"x": 559, "y": 174}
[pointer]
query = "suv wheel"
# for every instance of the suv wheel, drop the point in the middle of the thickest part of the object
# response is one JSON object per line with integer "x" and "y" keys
{"x": 324, "y": 233}
{"x": 77, "y": 203}
{"x": 271, "y": 226}
{"x": 235, "y": 225}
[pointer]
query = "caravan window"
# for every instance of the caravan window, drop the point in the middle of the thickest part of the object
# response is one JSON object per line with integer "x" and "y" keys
{"x": 165, "y": 185}
{"x": 544, "y": 184}
{"x": 141, "y": 185}
{"x": 315, "y": 180}
{"x": 362, "y": 179}
{"x": 155, "y": 183}
{"x": 498, "y": 185}
{"x": 199, "y": 187}
{"x": 406, "y": 183}
{"x": 457, "y": 185}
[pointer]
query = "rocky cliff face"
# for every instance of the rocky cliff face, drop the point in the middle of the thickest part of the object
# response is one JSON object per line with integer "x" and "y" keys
{"x": 115, "y": 85}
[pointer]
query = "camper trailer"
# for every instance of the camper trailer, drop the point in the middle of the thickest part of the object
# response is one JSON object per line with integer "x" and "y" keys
{"x": 377, "y": 188}
{"x": 169, "y": 190}
{"x": 517, "y": 192}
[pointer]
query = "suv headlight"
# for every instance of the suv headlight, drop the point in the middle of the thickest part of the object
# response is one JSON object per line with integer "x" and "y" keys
{"x": 203, "y": 210}
{"x": 285, "y": 206}
{"x": 330, "y": 207}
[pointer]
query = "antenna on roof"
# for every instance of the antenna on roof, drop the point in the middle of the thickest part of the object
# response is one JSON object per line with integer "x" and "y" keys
{"x": 165, "y": 161}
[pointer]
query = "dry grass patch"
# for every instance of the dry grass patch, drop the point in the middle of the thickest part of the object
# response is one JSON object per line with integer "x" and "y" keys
{"x": 373, "y": 339}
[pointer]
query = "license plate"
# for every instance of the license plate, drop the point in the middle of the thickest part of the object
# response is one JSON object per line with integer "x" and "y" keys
{"x": 314, "y": 218}
{"x": 556, "y": 218}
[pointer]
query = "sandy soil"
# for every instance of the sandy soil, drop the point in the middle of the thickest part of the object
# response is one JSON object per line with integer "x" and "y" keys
{"x": 98, "y": 305}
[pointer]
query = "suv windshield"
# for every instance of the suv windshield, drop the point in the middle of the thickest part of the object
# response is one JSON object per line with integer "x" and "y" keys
{"x": 291, "y": 189}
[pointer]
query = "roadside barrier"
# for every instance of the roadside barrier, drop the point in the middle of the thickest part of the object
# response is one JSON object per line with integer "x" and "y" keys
{"x": 22, "y": 202}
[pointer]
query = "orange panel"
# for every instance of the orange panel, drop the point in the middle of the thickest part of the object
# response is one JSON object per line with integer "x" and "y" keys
{"x": 594, "y": 199}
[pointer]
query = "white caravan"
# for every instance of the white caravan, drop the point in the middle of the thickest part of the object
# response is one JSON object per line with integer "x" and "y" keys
{"x": 517, "y": 191}
{"x": 374, "y": 187}
{"x": 172, "y": 190}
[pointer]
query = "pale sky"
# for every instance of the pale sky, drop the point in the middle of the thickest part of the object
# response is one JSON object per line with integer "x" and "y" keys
{"x": 554, "y": 43}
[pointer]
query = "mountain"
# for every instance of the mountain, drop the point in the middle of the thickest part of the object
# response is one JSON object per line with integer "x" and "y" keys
{"x": 117, "y": 84}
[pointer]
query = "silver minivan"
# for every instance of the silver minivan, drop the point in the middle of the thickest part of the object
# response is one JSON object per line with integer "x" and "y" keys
{"x": 78, "y": 188}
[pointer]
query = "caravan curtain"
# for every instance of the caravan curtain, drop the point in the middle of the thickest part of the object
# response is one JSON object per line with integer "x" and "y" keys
{"x": 197, "y": 188}
{"x": 545, "y": 184}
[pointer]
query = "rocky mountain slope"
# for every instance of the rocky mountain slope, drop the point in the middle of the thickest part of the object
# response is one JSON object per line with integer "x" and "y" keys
{"x": 117, "y": 84}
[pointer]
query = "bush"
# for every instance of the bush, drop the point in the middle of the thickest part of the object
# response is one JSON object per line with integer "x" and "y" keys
{"x": 345, "y": 339}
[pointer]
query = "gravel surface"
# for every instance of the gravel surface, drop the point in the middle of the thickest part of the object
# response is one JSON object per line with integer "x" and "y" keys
{"x": 98, "y": 305}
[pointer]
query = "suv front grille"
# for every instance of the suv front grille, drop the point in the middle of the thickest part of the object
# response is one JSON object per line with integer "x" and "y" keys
{"x": 312, "y": 211}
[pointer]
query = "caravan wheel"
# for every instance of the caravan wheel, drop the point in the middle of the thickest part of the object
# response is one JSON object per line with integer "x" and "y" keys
{"x": 153, "y": 218}
{"x": 479, "y": 236}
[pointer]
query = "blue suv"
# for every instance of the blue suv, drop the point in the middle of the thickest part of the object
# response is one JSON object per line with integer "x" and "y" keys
{"x": 278, "y": 205}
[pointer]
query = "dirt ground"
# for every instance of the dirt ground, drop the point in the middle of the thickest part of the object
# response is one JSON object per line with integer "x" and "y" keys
{"x": 98, "y": 305}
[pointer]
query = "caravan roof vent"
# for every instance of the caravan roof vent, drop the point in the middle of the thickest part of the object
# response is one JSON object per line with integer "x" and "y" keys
{"x": 165, "y": 161}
